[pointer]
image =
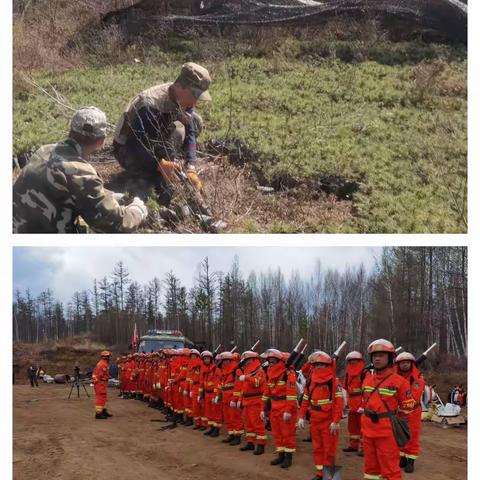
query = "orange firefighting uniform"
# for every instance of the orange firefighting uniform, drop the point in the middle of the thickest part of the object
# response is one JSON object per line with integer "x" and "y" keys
{"x": 281, "y": 390}
{"x": 414, "y": 416}
{"x": 323, "y": 398}
{"x": 100, "y": 378}
{"x": 249, "y": 392}
{"x": 352, "y": 383}
{"x": 193, "y": 379}
{"x": 380, "y": 447}
{"x": 217, "y": 409}
{"x": 232, "y": 416}
{"x": 207, "y": 393}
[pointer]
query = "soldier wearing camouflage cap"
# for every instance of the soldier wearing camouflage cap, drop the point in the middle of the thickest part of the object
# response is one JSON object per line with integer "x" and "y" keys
{"x": 159, "y": 127}
{"x": 59, "y": 185}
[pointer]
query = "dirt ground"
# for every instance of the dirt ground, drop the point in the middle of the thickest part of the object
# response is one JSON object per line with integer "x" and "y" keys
{"x": 56, "y": 438}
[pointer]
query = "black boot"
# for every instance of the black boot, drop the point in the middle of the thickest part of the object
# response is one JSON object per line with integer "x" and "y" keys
{"x": 287, "y": 461}
{"x": 403, "y": 462}
{"x": 209, "y": 431}
{"x": 260, "y": 450}
{"x": 280, "y": 458}
{"x": 247, "y": 446}
{"x": 316, "y": 477}
{"x": 308, "y": 439}
{"x": 180, "y": 419}
{"x": 410, "y": 466}
{"x": 106, "y": 413}
{"x": 189, "y": 422}
{"x": 202, "y": 428}
{"x": 197, "y": 427}
{"x": 228, "y": 439}
{"x": 349, "y": 449}
{"x": 100, "y": 416}
{"x": 216, "y": 432}
{"x": 236, "y": 440}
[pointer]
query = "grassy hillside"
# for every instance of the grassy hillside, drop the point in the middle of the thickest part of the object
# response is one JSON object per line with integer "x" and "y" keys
{"x": 385, "y": 118}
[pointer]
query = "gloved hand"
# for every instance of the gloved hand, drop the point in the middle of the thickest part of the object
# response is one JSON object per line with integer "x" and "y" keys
{"x": 233, "y": 404}
{"x": 170, "y": 170}
{"x": 239, "y": 404}
{"x": 360, "y": 410}
{"x": 334, "y": 428}
{"x": 262, "y": 416}
{"x": 194, "y": 178}
{"x": 301, "y": 423}
{"x": 185, "y": 393}
{"x": 241, "y": 378}
{"x": 140, "y": 206}
{"x": 191, "y": 394}
{"x": 287, "y": 416}
{"x": 215, "y": 400}
{"x": 199, "y": 399}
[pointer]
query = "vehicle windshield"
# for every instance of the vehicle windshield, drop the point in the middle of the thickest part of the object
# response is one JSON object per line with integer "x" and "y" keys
{"x": 149, "y": 346}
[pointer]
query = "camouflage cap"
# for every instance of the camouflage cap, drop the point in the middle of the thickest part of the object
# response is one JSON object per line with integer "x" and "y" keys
{"x": 90, "y": 122}
{"x": 197, "y": 79}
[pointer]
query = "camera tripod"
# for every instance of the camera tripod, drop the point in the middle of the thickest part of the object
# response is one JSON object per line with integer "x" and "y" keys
{"x": 77, "y": 383}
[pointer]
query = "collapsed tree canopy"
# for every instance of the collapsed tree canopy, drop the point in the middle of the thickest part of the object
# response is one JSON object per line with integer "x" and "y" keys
{"x": 446, "y": 18}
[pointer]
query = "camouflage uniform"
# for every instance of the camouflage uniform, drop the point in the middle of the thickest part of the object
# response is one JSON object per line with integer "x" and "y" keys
{"x": 154, "y": 127}
{"x": 58, "y": 186}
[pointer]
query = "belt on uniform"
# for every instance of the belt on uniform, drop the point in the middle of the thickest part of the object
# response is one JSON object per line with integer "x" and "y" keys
{"x": 278, "y": 398}
{"x": 317, "y": 408}
{"x": 208, "y": 391}
{"x": 226, "y": 389}
{"x": 374, "y": 416}
{"x": 251, "y": 395}
{"x": 355, "y": 394}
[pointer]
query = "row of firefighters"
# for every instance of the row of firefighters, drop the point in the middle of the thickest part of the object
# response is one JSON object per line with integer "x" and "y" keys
{"x": 242, "y": 393}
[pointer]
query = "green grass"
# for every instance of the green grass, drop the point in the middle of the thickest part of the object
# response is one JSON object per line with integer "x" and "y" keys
{"x": 397, "y": 126}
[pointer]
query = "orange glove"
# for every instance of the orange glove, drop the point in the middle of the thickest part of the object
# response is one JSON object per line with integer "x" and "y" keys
{"x": 195, "y": 180}
{"x": 170, "y": 170}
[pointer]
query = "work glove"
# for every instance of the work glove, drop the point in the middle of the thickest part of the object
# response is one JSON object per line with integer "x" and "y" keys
{"x": 215, "y": 400}
{"x": 301, "y": 423}
{"x": 360, "y": 410}
{"x": 138, "y": 205}
{"x": 199, "y": 399}
{"x": 194, "y": 178}
{"x": 185, "y": 393}
{"x": 239, "y": 404}
{"x": 334, "y": 428}
{"x": 191, "y": 395}
{"x": 170, "y": 171}
{"x": 241, "y": 378}
{"x": 287, "y": 416}
{"x": 233, "y": 404}
{"x": 262, "y": 416}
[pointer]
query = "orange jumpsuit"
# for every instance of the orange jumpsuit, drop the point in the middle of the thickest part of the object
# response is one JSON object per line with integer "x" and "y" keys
{"x": 193, "y": 378}
{"x": 380, "y": 447}
{"x": 353, "y": 386}
{"x": 207, "y": 393}
{"x": 250, "y": 393}
{"x": 100, "y": 378}
{"x": 281, "y": 390}
{"x": 217, "y": 408}
{"x": 323, "y": 398}
{"x": 231, "y": 416}
{"x": 414, "y": 416}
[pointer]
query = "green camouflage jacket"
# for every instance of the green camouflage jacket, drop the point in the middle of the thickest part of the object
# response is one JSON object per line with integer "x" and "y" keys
{"x": 57, "y": 186}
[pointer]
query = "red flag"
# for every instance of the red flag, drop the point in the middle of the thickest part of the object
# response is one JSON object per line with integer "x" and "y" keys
{"x": 135, "y": 339}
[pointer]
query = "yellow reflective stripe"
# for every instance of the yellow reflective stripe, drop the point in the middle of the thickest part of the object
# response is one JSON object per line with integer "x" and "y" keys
{"x": 280, "y": 449}
{"x": 250, "y": 435}
{"x": 261, "y": 437}
{"x": 319, "y": 467}
{"x": 368, "y": 389}
{"x": 372, "y": 477}
{"x": 292, "y": 397}
{"x": 338, "y": 395}
{"x": 306, "y": 397}
{"x": 412, "y": 457}
{"x": 289, "y": 450}
{"x": 321, "y": 402}
{"x": 357, "y": 437}
{"x": 236, "y": 394}
{"x": 264, "y": 398}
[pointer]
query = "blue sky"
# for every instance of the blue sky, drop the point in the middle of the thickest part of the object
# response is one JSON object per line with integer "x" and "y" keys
{"x": 65, "y": 270}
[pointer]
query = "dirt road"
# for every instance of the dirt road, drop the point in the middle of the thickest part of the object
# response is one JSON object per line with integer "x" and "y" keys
{"x": 56, "y": 438}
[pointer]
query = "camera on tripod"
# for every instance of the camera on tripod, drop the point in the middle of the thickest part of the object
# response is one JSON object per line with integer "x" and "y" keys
{"x": 77, "y": 382}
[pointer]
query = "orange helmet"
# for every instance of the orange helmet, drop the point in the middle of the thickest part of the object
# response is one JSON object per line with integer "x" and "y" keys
{"x": 274, "y": 353}
{"x": 225, "y": 356}
{"x": 194, "y": 351}
{"x": 405, "y": 356}
{"x": 320, "y": 357}
{"x": 249, "y": 354}
{"x": 206, "y": 353}
{"x": 105, "y": 353}
{"x": 354, "y": 356}
{"x": 381, "y": 345}
{"x": 184, "y": 351}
